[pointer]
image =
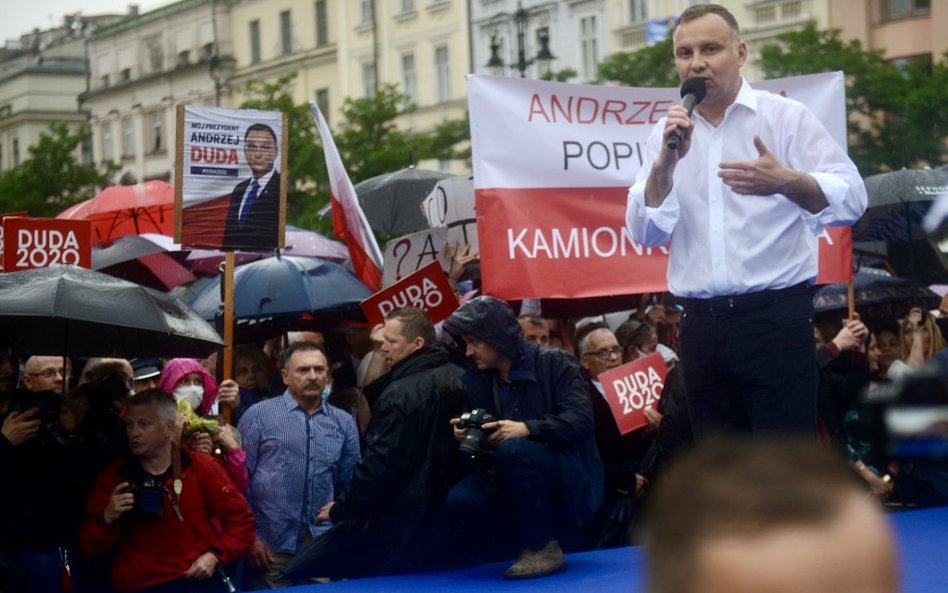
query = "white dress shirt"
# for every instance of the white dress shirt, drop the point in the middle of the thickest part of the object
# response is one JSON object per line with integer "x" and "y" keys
{"x": 723, "y": 243}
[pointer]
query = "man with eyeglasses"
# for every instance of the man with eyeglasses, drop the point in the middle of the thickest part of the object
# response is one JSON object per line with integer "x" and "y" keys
{"x": 42, "y": 373}
{"x": 253, "y": 218}
{"x": 41, "y": 461}
{"x": 599, "y": 351}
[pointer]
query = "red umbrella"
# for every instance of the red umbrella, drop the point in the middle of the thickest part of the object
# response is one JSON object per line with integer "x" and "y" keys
{"x": 127, "y": 209}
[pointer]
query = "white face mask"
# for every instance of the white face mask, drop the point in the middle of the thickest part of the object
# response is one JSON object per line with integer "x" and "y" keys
{"x": 193, "y": 393}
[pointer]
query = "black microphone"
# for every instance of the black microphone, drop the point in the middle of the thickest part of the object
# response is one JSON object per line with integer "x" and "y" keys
{"x": 692, "y": 91}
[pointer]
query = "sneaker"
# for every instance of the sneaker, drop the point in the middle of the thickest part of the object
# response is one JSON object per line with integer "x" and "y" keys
{"x": 537, "y": 563}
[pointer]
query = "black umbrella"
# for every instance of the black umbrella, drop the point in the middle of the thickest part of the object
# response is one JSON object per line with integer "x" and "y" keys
{"x": 77, "y": 312}
{"x": 898, "y": 201}
{"x": 872, "y": 290}
{"x": 392, "y": 201}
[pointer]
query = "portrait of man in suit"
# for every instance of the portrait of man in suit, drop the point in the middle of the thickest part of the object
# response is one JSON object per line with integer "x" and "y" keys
{"x": 253, "y": 218}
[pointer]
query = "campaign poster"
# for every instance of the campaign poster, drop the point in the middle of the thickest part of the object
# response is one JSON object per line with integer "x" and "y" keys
{"x": 427, "y": 289}
{"x": 633, "y": 387}
{"x": 40, "y": 242}
{"x": 231, "y": 178}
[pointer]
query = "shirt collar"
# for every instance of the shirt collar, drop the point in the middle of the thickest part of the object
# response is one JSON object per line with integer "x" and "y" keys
{"x": 746, "y": 96}
{"x": 290, "y": 404}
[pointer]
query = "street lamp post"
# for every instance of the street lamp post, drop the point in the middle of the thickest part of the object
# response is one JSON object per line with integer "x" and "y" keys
{"x": 544, "y": 56}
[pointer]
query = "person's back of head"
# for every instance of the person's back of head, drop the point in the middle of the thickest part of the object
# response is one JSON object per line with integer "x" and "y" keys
{"x": 746, "y": 516}
{"x": 415, "y": 323}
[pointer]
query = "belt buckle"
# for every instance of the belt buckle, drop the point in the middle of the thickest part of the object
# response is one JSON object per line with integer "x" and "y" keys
{"x": 720, "y": 306}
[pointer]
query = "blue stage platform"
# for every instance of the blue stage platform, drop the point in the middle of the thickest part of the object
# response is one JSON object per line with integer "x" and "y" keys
{"x": 922, "y": 535}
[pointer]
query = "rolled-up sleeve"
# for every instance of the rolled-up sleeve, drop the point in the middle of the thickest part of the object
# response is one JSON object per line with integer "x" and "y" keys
{"x": 651, "y": 227}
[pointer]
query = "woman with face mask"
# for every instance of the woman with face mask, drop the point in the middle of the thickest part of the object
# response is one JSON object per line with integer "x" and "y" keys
{"x": 187, "y": 379}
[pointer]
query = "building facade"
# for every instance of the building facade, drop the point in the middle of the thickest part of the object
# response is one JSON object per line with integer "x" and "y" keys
{"x": 41, "y": 77}
{"x": 141, "y": 68}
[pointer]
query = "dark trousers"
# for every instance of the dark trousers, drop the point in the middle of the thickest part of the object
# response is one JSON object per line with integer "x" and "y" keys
{"x": 522, "y": 507}
{"x": 749, "y": 363}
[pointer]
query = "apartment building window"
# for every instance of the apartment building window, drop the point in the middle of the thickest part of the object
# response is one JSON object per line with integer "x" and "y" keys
{"x": 442, "y": 74}
{"x": 125, "y": 75}
{"x": 16, "y": 152}
{"x": 896, "y": 9}
{"x": 409, "y": 77}
{"x": 128, "y": 138}
{"x": 108, "y": 146}
{"x": 156, "y": 138}
{"x": 322, "y": 100}
{"x": 588, "y": 46}
{"x": 255, "y": 41}
{"x": 286, "y": 33}
{"x": 1, "y": 156}
{"x": 366, "y": 15}
{"x": 322, "y": 24}
{"x": 406, "y": 6}
{"x": 104, "y": 81}
{"x": 368, "y": 79}
{"x": 638, "y": 11}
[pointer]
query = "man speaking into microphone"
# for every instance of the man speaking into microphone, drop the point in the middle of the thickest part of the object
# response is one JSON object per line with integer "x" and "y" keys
{"x": 741, "y": 187}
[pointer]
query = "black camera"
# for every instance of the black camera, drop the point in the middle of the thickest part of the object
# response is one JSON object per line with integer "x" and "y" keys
{"x": 149, "y": 500}
{"x": 472, "y": 444}
{"x": 908, "y": 420}
{"x": 111, "y": 391}
{"x": 49, "y": 404}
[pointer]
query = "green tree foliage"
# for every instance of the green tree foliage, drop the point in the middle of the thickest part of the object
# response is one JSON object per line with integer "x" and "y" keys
{"x": 369, "y": 140}
{"x": 50, "y": 179}
{"x": 307, "y": 182}
{"x": 651, "y": 66}
{"x": 896, "y": 114}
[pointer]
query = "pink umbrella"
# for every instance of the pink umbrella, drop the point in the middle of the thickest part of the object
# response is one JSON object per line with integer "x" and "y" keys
{"x": 299, "y": 242}
{"x": 127, "y": 209}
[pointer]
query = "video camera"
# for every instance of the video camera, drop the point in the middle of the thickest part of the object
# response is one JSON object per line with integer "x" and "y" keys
{"x": 908, "y": 420}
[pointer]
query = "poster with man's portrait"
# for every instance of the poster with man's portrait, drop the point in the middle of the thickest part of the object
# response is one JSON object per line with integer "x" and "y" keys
{"x": 231, "y": 171}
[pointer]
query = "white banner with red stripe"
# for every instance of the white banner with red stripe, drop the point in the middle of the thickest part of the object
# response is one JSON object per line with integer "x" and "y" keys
{"x": 552, "y": 166}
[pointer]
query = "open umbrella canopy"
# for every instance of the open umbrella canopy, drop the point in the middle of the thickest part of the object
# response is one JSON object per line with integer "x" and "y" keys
{"x": 392, "y": 201}
{"x": 898, "y": 201}
{"x": 73, "y": 311}
{"x": 148, "y": 259}
{"x": 127, "y": 209}
{"x": 285, "y": 285}
{"x": 872, "y": 290}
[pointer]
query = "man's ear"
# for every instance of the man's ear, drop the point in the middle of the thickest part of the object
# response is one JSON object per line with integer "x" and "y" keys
{"x": 417, "y": 344}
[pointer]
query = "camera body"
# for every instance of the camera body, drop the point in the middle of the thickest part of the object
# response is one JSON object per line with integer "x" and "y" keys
{"x": 473, "y": 444}
{"x": 149, "y": 500}
{"x": 49, "y": 404}
{"x": 908, "y": 420}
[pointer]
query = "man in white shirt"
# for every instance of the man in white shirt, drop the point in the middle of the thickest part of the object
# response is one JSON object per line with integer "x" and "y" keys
{"x": 742, "y": 199}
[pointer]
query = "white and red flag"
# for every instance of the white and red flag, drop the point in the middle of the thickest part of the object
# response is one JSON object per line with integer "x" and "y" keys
{"x": 348, "y": 220}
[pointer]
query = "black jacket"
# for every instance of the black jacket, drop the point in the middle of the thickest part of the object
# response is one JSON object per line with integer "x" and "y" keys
{"x": 262, "y": 230}
{"x": 409, "y": 463}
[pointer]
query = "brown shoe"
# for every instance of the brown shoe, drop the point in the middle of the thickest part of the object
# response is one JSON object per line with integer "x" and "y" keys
{"x": 537, "y": 563}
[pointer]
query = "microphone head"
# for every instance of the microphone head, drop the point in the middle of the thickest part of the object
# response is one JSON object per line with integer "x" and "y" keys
{"x": 696, "y": 86}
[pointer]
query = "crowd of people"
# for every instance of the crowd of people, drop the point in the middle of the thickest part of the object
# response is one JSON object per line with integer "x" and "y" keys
{"x": 472, "y": 441}
{"x": 489, "y": 437}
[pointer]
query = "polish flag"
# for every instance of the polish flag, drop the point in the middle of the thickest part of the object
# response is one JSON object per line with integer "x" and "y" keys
{"x": 348, "y": 220}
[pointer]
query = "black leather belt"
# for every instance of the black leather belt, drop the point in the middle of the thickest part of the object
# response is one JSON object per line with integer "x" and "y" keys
{"x": 727, "y": 305}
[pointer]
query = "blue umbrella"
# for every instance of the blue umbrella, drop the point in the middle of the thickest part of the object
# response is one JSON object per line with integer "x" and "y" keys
{"x": 285, "y": 286}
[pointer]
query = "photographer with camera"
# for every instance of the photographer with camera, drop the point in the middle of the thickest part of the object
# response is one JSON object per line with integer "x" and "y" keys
{"x": 40, "y": 458}
{"x": 171, "y": 517}
{"x": 549, "y": 479}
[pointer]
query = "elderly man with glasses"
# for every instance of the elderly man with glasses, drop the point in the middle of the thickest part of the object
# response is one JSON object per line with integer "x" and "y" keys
{"x": 599, "y": 351}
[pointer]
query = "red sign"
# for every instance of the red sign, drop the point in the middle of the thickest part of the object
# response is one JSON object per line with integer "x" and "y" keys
{"x": 835, "y": 255}
{"x": 2, "y": 216}
{"x": 40, "y": 242}
{"x": 427, "y": 289}
{"x": 633, "y": 387}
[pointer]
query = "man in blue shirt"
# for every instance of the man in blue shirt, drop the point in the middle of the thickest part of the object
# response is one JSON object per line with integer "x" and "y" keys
{"x": 300, "y": 454}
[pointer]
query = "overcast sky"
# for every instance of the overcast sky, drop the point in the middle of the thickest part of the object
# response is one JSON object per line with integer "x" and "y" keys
{"x": 22, "y": 16}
